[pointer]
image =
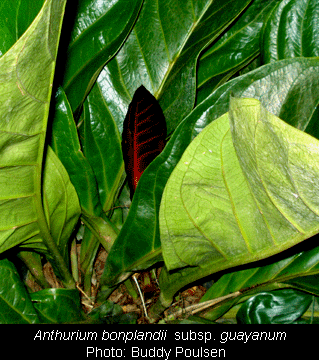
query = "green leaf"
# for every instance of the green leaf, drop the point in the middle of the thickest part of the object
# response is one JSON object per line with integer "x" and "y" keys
{"x": 138, "y": 244}
{"x": 58, "y": 305}
{"x": 165, "y": 63}
{"x": 111, "y": 313}
{"x": 26, "y": 80}
{"x": 65, "y": 143}
{"x": 162, "y": 51}
{"x": 60, "y": 202}
{"x": 276, "y": 307}
{"x": 289, "y": 271}
{"x": 15, "y": 18}
{"x": 15, "y": 304}
{"x": 61, "y": 207}
{"x": 102, "y": 147}
{"x": 240, "y": 193}
{"x": 237, "y": 47}
{"x": 291, "y": 31}
{"x": 283, "y": 87}
{"x": 98, "y": 32}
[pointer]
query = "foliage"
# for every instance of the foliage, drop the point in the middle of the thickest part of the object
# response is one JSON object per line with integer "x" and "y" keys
{"x": 232, "y": 196}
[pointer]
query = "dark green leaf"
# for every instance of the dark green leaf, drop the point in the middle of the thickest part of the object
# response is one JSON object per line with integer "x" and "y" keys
{"x": 57, "y": 305}
{"x": 273, "y": 274}
{"x": 15, "y": 18}
{"x": 99, "y": 30}
{"x": 237, "y": 47}
{"x": 15, "y": 304}
{"x": 276, "y": 307}
{"x": 162, "y": 50}
{"x": 110, "y": 313}
{"x": 291, "y": 31}
{"x": 66, "y": 145}
{"x": 309, "y": 284}
{"x": 102, "y": 147}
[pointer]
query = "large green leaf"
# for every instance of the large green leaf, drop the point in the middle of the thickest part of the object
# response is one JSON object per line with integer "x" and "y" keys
{"x": 15, "y": 18}
{"x": 237, "y": 47}
{"x": 15, "y": 303}
{"x": 27, "y": 71}
{"x": 181, "y": 232}
{"x": 291, "y": 30}
{"x": 99, "y": 30}
{"x": 139, "y": 242}
{"x": 26, "y": 80}
{"x": 162, "y": 51}
{"x": 61, "y": 207}
{"x": 241, "y": 192}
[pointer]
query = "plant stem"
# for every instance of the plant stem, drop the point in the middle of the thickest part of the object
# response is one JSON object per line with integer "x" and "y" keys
{"x": 89, "y": 249}
{"x": 156, "y": 310}
{"x": 51, "y": 245}
{"x": 74, "y": 261}
{"x": 193, "y": 309}
{"x": 32, "y": 261}
{"x": 170, "y": 284}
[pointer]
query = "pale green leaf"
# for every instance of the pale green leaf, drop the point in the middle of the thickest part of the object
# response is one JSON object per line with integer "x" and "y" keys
{"x": 26, "y": 79}
{"x": 243, "y": 190}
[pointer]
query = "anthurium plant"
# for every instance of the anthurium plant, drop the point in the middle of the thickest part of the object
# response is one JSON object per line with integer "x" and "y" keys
{"x": 179, "y": 136}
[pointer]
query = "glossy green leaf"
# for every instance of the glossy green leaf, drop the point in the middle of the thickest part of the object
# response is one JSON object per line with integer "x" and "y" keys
{"x": 65, "y": 143}
{"x": 99, "y": 30}
{"x": 139, "y": 242}
{"x": 102, "y": 147}
{"x": 276, "y": 307}
{"x": 15, "y": 304}
{"x": 291, "y": 31}
{"x": 15, "y": 18}
{"x": 237, "y": 47}
{"x": 240, "y": 193}
{"x": 56, "y": 306}
{"x": 163, "y": 62}
{"x": 26, "y": 80}
{"x": 162, "y": 51}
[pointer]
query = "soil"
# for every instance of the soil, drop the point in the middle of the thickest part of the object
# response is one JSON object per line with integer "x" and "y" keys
{"x": 130, "y": 302}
